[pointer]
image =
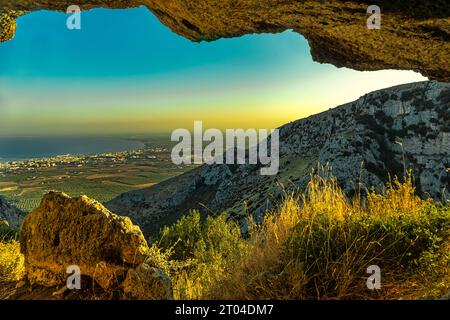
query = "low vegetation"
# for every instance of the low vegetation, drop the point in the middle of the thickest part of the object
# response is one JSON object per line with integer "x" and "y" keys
{"x": 11, "y": 261}
{"x": 315, "y": 245}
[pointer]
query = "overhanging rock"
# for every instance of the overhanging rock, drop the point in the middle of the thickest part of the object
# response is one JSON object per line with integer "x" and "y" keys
{"x": 414, "y": 35}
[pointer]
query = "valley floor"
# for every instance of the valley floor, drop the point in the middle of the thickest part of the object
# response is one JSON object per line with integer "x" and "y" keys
{"x": 101, "y": 177}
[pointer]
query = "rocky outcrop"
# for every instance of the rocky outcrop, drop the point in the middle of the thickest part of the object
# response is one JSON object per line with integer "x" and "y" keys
{"x": 364, "y": 141}
{"x": 382, "y": 133}
{"x": 414, "y": 34}
{"x": 9, "y": 213}
{"x": 109, "y": 250}
{"x": 147, "y": 283}
{"x": 445, "y": 296}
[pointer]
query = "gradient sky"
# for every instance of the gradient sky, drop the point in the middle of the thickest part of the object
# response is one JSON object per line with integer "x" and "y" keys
{"x": 124, "y": 72}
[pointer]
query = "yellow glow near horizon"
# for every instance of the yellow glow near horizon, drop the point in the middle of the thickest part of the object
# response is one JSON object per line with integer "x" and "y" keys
{"x": 144, "y": 111}
{"x": 72, "y": 85}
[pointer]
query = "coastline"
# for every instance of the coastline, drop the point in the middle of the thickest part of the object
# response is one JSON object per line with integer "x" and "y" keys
{"x": 40, "y": 148}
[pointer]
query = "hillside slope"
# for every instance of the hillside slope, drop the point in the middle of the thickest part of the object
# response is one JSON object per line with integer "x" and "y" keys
{"x": 360, "y": 141}
{"x": 11, "y": 214}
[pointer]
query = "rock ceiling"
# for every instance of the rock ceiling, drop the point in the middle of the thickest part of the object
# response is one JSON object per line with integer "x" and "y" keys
{"x": 414, "y": 34}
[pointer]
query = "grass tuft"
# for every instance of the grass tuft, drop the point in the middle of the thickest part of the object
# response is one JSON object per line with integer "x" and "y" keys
{"x": 11, "y": 261}
{"x": 316, "y": 245}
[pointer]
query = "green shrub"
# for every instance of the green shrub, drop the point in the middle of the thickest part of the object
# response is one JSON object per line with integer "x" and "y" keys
{"x": 183, "y": 236}
{"x": 315, "y": 245}
{"x": 203, "y": 252}
{"x": 335, "y": 253}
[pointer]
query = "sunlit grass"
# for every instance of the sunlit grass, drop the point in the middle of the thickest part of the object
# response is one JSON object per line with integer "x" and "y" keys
{"x": 316, "y": 245}
{"x": 11, "y": 261}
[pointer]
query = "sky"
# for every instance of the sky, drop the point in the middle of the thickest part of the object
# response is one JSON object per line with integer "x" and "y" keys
{"x": 125, "y": 73}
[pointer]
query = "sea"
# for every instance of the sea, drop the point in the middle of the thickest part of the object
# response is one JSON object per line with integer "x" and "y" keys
{"x": 24, "y": 148}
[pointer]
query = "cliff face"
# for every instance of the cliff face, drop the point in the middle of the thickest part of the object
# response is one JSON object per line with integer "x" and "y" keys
{"x": 414, "y": 34}
{"x": 384, "y": 131}
{"x": 362, "y": 141}
{"x": 11, "y": 214}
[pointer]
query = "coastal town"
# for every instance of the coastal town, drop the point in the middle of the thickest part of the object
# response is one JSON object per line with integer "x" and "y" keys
{"x": 80, "y": 161}
{"x": 101, "y": 176}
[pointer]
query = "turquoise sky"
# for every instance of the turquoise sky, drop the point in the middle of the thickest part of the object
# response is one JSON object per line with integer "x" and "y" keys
{"x": 125, "y": 72}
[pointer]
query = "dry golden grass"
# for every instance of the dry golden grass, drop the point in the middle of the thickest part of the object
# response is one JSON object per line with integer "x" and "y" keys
{"x": 11, "y": 261}
{"x": 315, "y": 245}
{"x": 318, "y": 245}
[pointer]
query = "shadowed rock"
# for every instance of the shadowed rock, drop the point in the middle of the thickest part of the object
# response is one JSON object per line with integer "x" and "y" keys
{"x": 147, "y": 283}
{"x": 414, "y": 34}
{"x": 66, "y": 231}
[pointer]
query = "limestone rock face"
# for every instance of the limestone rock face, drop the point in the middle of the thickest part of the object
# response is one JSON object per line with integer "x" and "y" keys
{"x": 382, "y": 132}
{"x": 66, "y": 231}
{"x": 9, "y": 213}
{"x": 414, "y": 34}
{"x": 362, "y": 141}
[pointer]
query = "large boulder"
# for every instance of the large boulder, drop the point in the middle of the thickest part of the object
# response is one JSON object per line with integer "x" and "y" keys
{"x": 66, "y": 231}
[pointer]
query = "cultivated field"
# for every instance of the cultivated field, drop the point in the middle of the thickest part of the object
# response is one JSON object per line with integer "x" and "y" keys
{"x": 99, "y": 179}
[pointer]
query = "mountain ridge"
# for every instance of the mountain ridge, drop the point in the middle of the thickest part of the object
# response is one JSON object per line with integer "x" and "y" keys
{"x": 363, "y": 142}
